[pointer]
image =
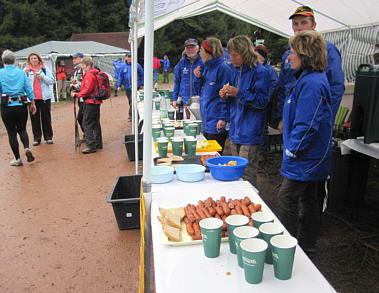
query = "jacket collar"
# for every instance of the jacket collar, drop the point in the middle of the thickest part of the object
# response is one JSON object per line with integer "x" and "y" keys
{"x": 213, "y": 62}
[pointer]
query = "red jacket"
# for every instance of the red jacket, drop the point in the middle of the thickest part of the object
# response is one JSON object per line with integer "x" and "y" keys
{"x": 88, "y": 86}
{"x": 61, "y": 73}
{"x": 156, "y": 63}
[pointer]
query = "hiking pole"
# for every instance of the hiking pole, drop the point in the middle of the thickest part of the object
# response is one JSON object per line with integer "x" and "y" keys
{"x": 77, "y": 145}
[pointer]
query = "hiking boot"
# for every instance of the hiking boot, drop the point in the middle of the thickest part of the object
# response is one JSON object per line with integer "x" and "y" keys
{"x": 49, "y": 141}
{"x": 35, "y": 143}
{"x": 88, "y": 150}
{"x": 15, "y": 162}
{"x": 29, "y": 155}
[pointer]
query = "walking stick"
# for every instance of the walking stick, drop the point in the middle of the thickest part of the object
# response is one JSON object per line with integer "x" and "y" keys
{"x": 77, "y": 144}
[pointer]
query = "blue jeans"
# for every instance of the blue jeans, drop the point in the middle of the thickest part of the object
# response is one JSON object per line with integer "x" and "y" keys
{"x": 155, "y": 74}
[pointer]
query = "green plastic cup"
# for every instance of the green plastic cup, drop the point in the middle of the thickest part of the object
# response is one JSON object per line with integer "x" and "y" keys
{"x": 156, "y": 131}
{"x": 157, "y": 104}
{"x": 233, "y": 222}
{"x": 190, "y": 144}
{"x": 171, "y": 114}
{"x": 253, "y": 257}
{"x": 211, "y": 230}
{"x": 283, "y": 254}
{"x": 169, "y": 131}
{"x": 198, "y": 122}
{"x": 162, "y": 146}
{"x": 260, "y": 218}
{"x": 269, "y": 230}
{"x": 192, "y": 129}
{"x": 177, "y": 146}
{"x": 242, "y": 233}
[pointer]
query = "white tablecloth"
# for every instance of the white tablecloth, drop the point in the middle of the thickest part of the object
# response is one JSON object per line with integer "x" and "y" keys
{"x": 359, "y": 146}
{"x": 185, "y": 269}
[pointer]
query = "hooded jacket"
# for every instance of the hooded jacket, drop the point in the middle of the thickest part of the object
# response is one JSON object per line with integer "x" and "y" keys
{"x": 248, "y": 108}
{"x": 117, "y": 65}
{"x": 307, "y": 129}
{"x": 186, "y": 84}
{"x": 125, "y": 76}
{"x": 88, "y": 87}
{"x": 212, "y": 108}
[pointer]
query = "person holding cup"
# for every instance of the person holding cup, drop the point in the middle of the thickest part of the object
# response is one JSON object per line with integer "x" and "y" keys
{"x": 214, "y": 111}
{"x": 307, "y": 139}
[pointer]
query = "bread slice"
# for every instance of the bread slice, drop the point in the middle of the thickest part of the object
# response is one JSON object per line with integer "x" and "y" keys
{"x": 175, "y": 158}
{"x": 172, "y": 233}
{"x": 179, "y": 212}
{"x": 171, "y": 218}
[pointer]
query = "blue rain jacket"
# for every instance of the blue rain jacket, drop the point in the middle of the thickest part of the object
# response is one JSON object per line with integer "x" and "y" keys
{"x": 117, "y": 65}
{"x": 125, "y": 76}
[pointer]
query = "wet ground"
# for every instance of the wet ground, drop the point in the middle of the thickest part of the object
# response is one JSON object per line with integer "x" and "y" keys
{"x": 58, "y": 233}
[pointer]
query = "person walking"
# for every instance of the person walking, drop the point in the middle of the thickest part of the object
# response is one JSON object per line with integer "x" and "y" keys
{"x": 117, "y": 65}
{"x": 156, "y": 65}
{"x": 61, "y": 80}
{"x": 91, "y": 116}
{"x": 166, "y": 69}
{"x": 41, "y": 80}
{"x": 15, "y": 91}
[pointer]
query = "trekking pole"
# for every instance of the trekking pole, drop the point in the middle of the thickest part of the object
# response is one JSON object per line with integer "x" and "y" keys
{"x": 77, "y": 145}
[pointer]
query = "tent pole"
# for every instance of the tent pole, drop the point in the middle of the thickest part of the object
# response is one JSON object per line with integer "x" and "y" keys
{"x": 134, "y": 92}
{"x": 147, "y": 137}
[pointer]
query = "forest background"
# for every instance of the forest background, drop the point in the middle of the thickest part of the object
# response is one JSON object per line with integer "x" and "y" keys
{"x": 27, "y": 23}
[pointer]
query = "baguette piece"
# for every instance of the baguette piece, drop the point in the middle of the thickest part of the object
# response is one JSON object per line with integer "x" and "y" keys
{"x": 172, "y": 233}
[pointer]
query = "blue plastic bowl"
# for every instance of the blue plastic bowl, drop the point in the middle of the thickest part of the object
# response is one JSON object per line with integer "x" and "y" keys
{"x": 190, "y": 172}
{"x": 226, "y": 173}
{"x": 162, "y": 174}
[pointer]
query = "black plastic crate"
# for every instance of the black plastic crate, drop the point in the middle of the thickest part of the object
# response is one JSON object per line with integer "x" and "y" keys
{"x": 129, "y": 141}
{"x": 125, "y": 198}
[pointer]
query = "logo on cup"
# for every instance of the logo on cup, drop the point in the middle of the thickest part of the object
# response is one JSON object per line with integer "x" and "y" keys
{"x": 275, "y": 255}
{"x": 204, "y": 236}
{"x": 249, "y": 261}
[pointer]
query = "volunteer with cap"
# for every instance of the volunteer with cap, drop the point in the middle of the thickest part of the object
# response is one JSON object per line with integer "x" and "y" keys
{"x": 186, "y": 84}
{"x": 303, "y": 19}
{"x": 125, "y": 78}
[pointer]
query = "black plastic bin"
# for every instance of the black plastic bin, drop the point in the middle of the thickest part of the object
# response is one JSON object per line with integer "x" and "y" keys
{"x": 129, "y": 141}
{"x": 125, "y": 198}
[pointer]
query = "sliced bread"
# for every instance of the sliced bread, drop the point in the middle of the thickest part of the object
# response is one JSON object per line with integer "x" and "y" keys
{"x": 171, "y": 218}
{"x": 172, "y": 233}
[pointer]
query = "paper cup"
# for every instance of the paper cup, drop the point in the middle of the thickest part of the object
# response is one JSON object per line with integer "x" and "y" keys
{"x": 162, "y": 146}
{"x": 185, "y": 126}
{"x": 192, "y": 129}
{"x": 157, "y": 104}
{"x": 190, "y": 145}
{"x": 156, "y": 131}
{"x": 242, "y": 233}
{"x": 198, "y": 122}
{"x": 253, "y": 257}
{"x": 171, "y": 114}
{"x": 260, "y": 218}
{"x": 283, "y": 254}
{"x": 211, "y": 230}
{"x": 269, "y": 230}
{"x": 169, "y": 131}
{"x": 233, "y": 222}
{"x": 177, "y": 146}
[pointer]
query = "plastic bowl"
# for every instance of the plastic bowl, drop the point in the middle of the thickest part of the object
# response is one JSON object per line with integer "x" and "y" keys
{"x": 162, "y": 174}
{"x": 190, "y": 172}
{"x": 226, "y": 173}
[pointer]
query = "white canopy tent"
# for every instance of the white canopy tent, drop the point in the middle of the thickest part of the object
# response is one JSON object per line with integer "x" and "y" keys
{"x": 352, "y": 25}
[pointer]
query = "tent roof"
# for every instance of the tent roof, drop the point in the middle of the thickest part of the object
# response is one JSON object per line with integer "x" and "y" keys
{"x": 67, "y": 48}
{"x": 273, "y": 15}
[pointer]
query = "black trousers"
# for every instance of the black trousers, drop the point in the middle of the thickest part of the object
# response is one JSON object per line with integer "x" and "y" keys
{"x": 42, "y": 118}
{"x": 165, "y": 77}
{"x": 80, "y": 115}
{"x": 92, "y": 127}
{"x": 129, "y": 96}
{"x": 299, "y": 211}
{"x": 219, "y": 137}
{"x": 15, "y": 119}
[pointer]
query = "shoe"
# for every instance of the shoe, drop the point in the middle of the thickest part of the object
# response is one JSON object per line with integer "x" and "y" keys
{"x": 99, "y": 147}
{"x": 81, "y": 141}
{"x": 49, "y": 141}
{"x": 15, "y": 162}
{"x": 29, "y": 155}
{"x": 35, "y": 143}
{"x": 88, "y": 150}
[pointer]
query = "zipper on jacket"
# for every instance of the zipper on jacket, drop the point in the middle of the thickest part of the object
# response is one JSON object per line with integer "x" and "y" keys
{"x": 190, "y": 79}
{"x": 235, "y": 121}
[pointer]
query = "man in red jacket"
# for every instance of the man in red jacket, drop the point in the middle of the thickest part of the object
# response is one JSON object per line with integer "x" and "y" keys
{"x": 156, "y": 65}
{"x": 91, "y": 117}
{"x": 61, "y": 80}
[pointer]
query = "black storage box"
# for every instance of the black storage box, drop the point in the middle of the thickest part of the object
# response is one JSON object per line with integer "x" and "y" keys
{"x": 130, "y": 146}
{"x": 125, "y": 198}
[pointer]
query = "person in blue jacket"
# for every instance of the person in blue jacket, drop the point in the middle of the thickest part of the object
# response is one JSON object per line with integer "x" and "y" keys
{"x": 186, "y": 84}
{"x": 15, "y": 91}
{"x": 247, "y": 96}
{"x": 166, "y": 69}
{"x": 307, "y": 139}
{"x": 117, "y": 65}
{"x": 213, "y": 110}
{"x": 303, "y": 19}
{"x": 125, "y": 78}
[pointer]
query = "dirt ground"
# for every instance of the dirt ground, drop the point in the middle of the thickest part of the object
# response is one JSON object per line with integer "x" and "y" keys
{"x": 58, "y": 233}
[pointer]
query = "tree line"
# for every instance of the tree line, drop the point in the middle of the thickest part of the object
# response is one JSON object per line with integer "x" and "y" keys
{"x": 27, "y": 23}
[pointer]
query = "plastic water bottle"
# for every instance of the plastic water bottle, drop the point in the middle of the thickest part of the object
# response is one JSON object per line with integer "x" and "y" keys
{"x": 163, "y": 108}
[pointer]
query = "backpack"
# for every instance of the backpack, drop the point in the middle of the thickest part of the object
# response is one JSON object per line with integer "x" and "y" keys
{"x": 103, "y": 88}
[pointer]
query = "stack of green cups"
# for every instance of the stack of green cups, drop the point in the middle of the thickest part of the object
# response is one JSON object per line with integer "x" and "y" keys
{"x": 162, "y": 146}
{"x": 177, "y": 145}
{"x": 156, "y": 131}
{"x": 190, "y": 144}
{"x": 269, "y": 230}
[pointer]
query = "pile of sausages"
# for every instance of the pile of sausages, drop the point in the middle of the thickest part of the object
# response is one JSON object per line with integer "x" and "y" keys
{"x": 217, "y": 209}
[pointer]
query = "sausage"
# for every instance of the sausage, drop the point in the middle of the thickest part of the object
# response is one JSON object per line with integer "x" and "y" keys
{"x": 251, "y": 223}
{"x": 233, "y": 212}
{"x": 251, "y": 208}
{"x": 226, "y": 209}
{"x": 224, "y": 226}
{"x": 219, "y": 203}
{"x": 222, "y": 198}
{"x": 189, "y": 214}
{"x": 224, "y": 234}
{"x": 196, "y": 227}
{"x": 206, "y": 212}
{"x": 231, "y": 204}
{"x": 245, "y": 210}
{"x": 201, "y": 213}
{"x": 212, "y": 211}
{"x": 246, "y": 201}
{"x": 239, "y": 209}
{"x": 201, "y": 204}
{"x": 190, "y": 229}
{"x": 217, "y": 216}
{"x": 258, "y": 207}
{"x": 219, "y": 211}
{"x": 208, "y": 203}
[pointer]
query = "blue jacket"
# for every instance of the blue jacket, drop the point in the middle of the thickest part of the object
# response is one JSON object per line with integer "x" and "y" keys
{"x": 212, "y": 108}
{"x": 247, "y": 109}
{"x": 333, "y": 72}
{"x": 125, "y": 76}
{"x": 307, "y": 129}
{"x": 117, "y": 65}
{"x": 46, "y": 82}
{"x": 13, "y": 81}
{"x": 166, "y": 64}
{"x": 185, "y": 82}
{"x": 273, "y": 78}
{"x": 227, "y": 57}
